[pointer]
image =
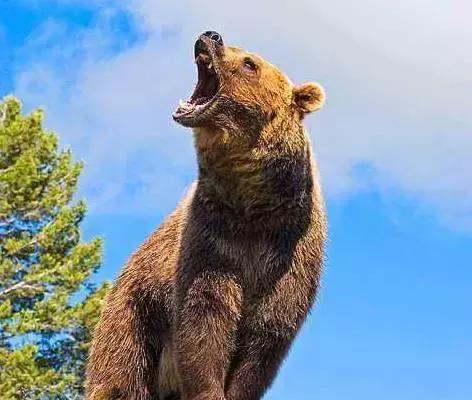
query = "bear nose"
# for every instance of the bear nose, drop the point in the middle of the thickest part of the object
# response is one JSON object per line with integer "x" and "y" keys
{"x": 215, "y": 36}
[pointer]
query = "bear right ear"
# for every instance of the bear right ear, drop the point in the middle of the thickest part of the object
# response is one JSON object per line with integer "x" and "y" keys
{"x": 308, "y": 97}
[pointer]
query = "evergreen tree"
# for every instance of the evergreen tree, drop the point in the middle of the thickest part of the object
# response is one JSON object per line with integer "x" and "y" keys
{"x": 48, "y": 307}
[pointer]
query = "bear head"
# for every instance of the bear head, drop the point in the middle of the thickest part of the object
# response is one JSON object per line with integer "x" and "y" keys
{"x": 239, "y": 93}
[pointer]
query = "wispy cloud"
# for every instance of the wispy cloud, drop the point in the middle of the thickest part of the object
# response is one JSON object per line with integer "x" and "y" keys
{"x": 397, "y": 77}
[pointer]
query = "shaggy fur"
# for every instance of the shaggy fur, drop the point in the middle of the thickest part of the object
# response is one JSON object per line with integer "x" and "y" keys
{"x": 208, "y": 306}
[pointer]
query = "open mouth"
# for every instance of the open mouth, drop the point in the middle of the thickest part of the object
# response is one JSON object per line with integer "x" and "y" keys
{"x": 205, "y": 91}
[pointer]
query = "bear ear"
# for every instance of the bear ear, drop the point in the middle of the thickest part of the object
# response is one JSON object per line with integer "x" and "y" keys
{"x": 308, "y": 97}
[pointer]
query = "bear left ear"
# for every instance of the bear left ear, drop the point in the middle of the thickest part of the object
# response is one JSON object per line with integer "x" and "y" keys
{"x": 308, "y": 97}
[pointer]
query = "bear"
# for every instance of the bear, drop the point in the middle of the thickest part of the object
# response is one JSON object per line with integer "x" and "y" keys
{"x": 208, "y": 307}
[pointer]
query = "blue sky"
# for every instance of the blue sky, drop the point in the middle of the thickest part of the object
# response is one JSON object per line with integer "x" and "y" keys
{"x": 394, "y": 143}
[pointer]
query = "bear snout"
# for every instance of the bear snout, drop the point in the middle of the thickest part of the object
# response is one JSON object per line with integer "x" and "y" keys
{"x": 215, "y": 36}
{"x": 208, "y": 42}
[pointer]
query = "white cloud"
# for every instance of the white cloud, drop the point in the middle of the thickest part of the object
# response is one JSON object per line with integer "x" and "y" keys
{"x": 397, "y": 77}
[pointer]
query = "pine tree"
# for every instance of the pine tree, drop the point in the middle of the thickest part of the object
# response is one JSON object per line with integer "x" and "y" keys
{"x": 48, "y": 306}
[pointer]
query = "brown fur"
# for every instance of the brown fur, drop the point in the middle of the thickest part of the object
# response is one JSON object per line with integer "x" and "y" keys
{"x": 209, "y": 305}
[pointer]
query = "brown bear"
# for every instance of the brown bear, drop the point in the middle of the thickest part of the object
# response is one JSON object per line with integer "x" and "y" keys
{"x": 209, "y": 305}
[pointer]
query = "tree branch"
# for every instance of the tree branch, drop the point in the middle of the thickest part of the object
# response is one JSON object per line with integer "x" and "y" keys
{"x": 21, "y": 285}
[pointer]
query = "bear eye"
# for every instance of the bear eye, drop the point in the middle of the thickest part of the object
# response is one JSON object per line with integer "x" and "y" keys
{"x": 249, "y": 65}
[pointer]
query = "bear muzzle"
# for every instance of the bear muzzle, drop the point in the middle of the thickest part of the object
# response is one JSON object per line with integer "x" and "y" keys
{"x": 207, "y": 48}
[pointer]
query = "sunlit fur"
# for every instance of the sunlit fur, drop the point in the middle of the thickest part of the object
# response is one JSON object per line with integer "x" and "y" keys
{"x": 208, "y": 306}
